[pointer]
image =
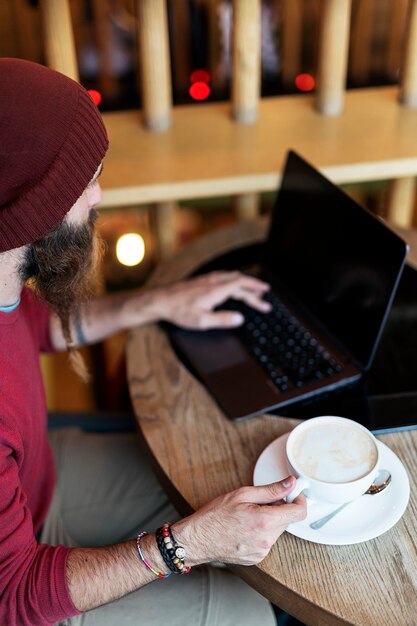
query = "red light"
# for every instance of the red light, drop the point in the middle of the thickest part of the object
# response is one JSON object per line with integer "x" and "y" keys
{"x": 305, "y": 82}
{"x": 96, "y": 96}
{"x": 199, "y": 91}
{"x": 200, "y": 76}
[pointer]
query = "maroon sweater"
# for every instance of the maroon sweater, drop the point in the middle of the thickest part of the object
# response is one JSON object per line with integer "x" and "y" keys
{"x": 33, "y": 588}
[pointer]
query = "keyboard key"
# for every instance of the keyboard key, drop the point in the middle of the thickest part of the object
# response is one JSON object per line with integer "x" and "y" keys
{"x": 287, "y": 351}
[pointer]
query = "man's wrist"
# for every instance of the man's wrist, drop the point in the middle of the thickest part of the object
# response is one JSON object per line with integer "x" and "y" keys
{"x": 184, "y": 534}
{"x": 146, "y": 307}
{"x": 151, "y": 553}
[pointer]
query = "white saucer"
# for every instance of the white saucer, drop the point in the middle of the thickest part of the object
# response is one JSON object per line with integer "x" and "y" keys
{"x": 364, "y": 519}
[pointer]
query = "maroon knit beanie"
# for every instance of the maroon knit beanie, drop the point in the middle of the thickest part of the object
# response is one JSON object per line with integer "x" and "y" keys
{"x": 52, "y": 141}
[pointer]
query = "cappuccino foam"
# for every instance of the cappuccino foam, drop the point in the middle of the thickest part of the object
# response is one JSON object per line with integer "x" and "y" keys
{"x": 334, "y": 453}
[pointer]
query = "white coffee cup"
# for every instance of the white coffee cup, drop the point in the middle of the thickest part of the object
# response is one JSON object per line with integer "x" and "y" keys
{"x": 334, "y": 459}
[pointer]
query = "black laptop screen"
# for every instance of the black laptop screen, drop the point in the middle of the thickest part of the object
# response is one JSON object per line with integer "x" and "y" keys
{"x": 337, "y": 258}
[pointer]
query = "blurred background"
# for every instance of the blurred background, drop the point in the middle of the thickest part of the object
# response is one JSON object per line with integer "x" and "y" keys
{"x": 200, "y": 48}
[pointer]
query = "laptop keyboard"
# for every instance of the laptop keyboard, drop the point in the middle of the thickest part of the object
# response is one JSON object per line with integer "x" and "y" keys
{"x": 287, "y": 351}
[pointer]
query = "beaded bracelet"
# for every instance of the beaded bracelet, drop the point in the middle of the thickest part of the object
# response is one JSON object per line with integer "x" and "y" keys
{"x": 171, "y": 552}
{"x": 142, "y": 558}
{"x": 167, "y": 553}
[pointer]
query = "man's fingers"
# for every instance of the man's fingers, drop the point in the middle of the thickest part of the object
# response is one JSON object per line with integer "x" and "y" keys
{"x": 219, "y": 277}
{"x": 253, "y": 300}
{"x": 274, "y": 492}
{"x": 238, "y": 279}
{"x": 220, "y": 319}
{"x": 222, "y": 292}
{"x": 239, "y": 289}
{"x": 290, "y": 513}
{"x": 268, "y": 494}
{"x": 200, "y": 296}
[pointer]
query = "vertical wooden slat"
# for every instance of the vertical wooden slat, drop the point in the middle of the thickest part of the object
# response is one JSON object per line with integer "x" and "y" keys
{"x": 361, "y": 41}
{"x": 401, "y": 198}
{"x": 246, "y": 60}
{"x": 333, "y": 54}
{"x": 408, "y": 91}
{"x": 163, "y": 221}
{"x": 154, "y": 63}
{"x": 59, "y": 38}
{"x": 247, "y": 206}
{"x": 291, "y": 33}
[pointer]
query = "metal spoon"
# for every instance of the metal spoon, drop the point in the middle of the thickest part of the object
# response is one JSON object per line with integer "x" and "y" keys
{"x": 382, "y": 481}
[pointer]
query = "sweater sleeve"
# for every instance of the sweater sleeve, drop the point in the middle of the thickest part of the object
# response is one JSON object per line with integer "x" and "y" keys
{"x": 33, "y": 587}
{"x": 40, "y": 312}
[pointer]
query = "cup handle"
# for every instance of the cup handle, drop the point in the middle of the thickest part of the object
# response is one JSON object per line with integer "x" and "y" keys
{"x": 300, "y": 485}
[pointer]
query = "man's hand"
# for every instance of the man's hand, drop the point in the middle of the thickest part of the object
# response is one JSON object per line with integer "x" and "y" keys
{"x": 191, "y": 303}
{"x": 240, "y": 527}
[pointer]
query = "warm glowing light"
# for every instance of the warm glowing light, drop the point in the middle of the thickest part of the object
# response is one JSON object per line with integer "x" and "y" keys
{"x": 130, "y": 249}
{"x": 199, "y": 91}
{"x": 200, "y": 76}
{"x": 96, "y": 96}
{"x": 305, "y": 82}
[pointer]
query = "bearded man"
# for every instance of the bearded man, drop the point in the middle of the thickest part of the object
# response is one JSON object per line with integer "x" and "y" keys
{"x": 72, "y": 506}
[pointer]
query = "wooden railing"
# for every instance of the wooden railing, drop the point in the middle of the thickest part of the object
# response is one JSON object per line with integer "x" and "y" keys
{"x": 165, "y": 153}
{"x": 161, "y": 154}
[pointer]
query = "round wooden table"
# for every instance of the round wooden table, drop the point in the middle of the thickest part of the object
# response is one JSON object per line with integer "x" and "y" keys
{"x": 199, "y": 454}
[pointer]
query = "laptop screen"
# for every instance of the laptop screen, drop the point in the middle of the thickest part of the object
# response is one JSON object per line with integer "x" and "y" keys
{"x": 340, "y": 261}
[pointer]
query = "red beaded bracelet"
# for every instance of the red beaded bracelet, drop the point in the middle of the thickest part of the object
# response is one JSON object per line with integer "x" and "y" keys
{"x": 171, "y": 552}
{"x": 142, "y": 558}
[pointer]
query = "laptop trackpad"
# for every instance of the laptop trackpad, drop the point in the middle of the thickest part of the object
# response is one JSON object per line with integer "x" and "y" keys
{"x": 211, "y": 350}
{"x": 236, "y": 381}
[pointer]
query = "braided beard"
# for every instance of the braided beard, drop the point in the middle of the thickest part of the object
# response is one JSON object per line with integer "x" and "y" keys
{"x": 61, "y": 269}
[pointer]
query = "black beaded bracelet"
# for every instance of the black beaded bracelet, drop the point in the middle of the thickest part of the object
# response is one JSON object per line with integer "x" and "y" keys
{"x": 167, "y": 556}
{"x": 171, "y": 552}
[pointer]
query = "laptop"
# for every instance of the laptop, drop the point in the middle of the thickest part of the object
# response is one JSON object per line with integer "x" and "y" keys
{"x": 334, "y": 269}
